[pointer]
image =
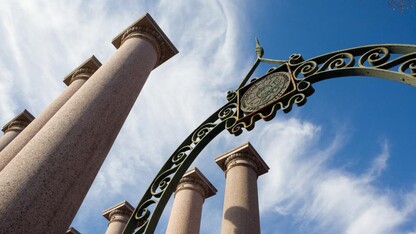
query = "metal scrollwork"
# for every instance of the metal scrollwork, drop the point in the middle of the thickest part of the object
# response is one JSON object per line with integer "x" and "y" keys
{"x": 147, "y": 213}
{"x": 375, "y": 57}
{"x": 409, "y": 65}
{"x": 394, "y": 62}
{"x": 390, "y": 61}
{"x": 306, "y": 69}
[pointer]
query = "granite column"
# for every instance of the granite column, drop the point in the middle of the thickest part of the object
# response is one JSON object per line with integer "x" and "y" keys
{"x": 13, "y": 128}
{"x": 74, "y": 80}
{"x": 242, "y": 166}
{"x": 42, "y": 188}
{"x": 190, "y": 194}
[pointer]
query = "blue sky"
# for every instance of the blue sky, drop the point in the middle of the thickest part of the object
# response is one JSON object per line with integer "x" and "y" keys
{"x": 343, "y": 163}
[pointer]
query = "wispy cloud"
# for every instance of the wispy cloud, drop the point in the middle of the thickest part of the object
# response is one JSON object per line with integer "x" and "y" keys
{"x": 379, "y": 164}
{"x": 320, "y": 198}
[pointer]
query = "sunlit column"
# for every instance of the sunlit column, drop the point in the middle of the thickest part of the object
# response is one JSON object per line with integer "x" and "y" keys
{"x": 74, "y": 80}
{"x": 242, "y": 166}
{"x": 42, "y": 188}
{"x": 118, "y": 216}
{"x": 13, "y": 128}
{"x": 190, "y": 194}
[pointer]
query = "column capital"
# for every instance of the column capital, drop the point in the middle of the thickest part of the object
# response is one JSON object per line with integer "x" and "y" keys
{"x": 83, "y": 71}
{"x": 19, "y": 122}
{"x": 123, "y": 209}
{"x": 72, "y": 230}
{"x": 242, "y": 155}
{"x": 147, "y": 29}
{"x": 202, "y": 184}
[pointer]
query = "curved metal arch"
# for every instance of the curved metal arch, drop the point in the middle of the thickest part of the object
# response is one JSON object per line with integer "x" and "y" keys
{"x": 143, "y": 220}
{"x": 372, "y": 60}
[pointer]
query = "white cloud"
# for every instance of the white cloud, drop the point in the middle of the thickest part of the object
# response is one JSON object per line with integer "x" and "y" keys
{"x": 380, "y": 218}
{"x": 281, "y": 156}
{"x": 379, "y": 164}
{"x": 320, "y": 198}
{"x": 7, "y": 104}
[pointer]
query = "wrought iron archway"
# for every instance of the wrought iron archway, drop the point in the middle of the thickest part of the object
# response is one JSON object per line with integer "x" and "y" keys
{"x": 280, "y": 88}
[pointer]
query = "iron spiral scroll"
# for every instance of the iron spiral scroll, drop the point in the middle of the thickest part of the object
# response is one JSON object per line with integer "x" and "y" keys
{"x": 388, "y": 61}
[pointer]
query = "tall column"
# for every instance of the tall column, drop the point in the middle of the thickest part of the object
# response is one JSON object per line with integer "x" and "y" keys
{"x": 242, "y": 166}
{"x": 14, "y": 127}
{"x": 118, "y": 216}
{"x": 42, "y": 188}
{"x": 190, "y": 194}
{"x": 74, "y": 80}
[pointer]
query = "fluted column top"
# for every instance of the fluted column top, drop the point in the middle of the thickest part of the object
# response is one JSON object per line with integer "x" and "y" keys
{"x": 195, "y": 177}
{"x": 244, "y": 154}
{"x": 83, "y": 71}
{"x": 19, "y": 122}
{"x": 72, "y": 230}
{"x": 122, "y": 208}
{"x": 147, "y": 29}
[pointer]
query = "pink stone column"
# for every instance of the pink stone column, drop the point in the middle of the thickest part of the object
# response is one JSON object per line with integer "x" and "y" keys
{"x": 118, "y": 216}
{"x": 74, "y": 80}
{"x": 42, "y": 188}
{"x": 14, "y": 127}
{"x": 242, "y": 166}
{"x": 190, "y": 194}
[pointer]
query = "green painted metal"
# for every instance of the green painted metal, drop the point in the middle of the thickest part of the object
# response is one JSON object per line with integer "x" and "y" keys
{"x": 389, "y": 61}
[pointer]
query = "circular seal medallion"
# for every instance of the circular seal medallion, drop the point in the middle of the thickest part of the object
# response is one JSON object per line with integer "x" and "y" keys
{"x": 265, "y": 91}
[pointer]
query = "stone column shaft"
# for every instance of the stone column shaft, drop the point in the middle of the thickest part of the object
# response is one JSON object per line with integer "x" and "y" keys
{"x": 7, "y": 138}
{"x": 74, "y": 80}
{"x": 242, "y": 166}
{"x": 49, "y": 178}
{"x": 185, "y": 217}
{"x": 13, "y": 128}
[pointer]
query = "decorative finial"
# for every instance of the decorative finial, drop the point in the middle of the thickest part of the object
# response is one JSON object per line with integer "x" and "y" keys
{"x": 259, "y": 49}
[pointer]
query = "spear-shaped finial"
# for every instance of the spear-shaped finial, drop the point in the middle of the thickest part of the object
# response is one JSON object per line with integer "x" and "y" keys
{"x": 259, "y": 49}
